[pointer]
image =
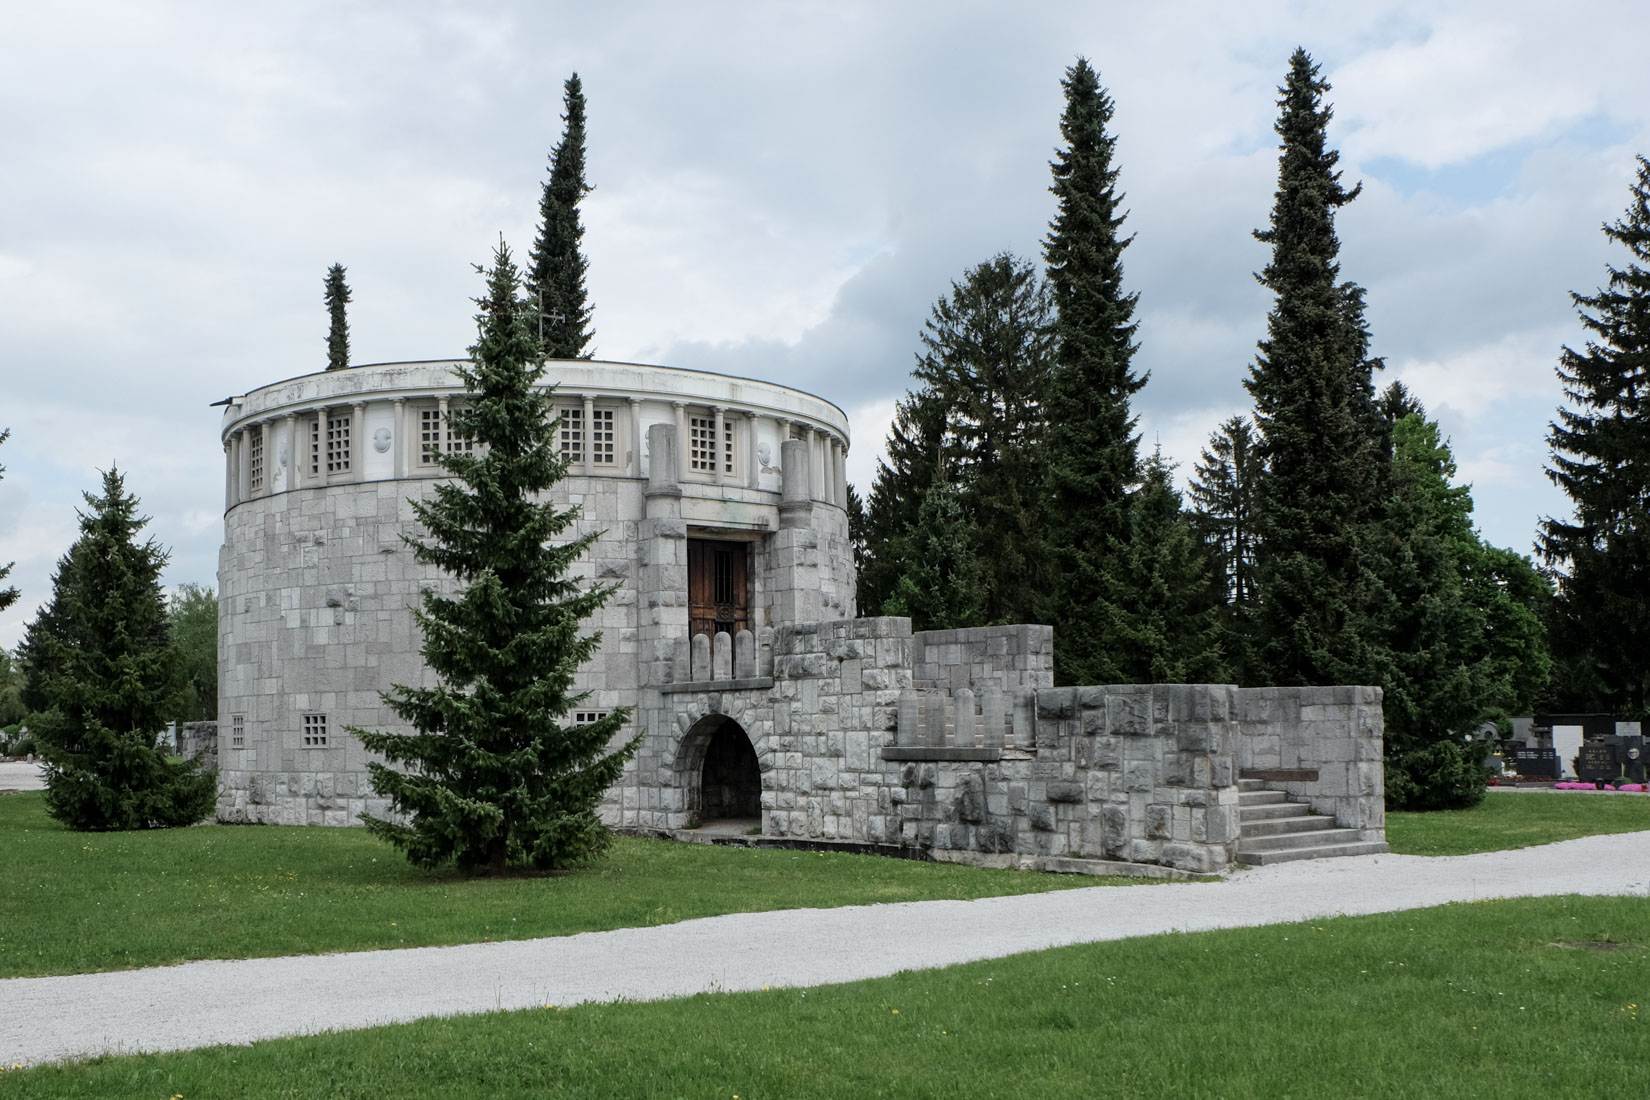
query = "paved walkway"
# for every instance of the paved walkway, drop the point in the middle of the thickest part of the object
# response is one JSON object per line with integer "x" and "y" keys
{"x": 205, "y": 1003}
{"x": 16, "y": 775}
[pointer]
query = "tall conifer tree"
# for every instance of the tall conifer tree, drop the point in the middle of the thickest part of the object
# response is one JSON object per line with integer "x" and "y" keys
{"x": 102, "y": 672}
{"x": 1222, "y": 493}
{"x": 556, "y": 267}
{"x": 916, "y": 459}
{"x": 1320, "y": 438}
{"x": 337, "y": 299}
{"x": 1172, "y": 631}
{"x": 973, "y": 423}
{"x": 1601, "y": 459}
{"x": 1463, "y": 637}
{"x": 499, "y": 775}
{"x": 1091, "y": 453}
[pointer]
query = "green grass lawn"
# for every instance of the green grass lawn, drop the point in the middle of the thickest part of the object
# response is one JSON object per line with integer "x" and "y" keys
{"x": 1507, "y": 820}
{"x": 77, "y": 902}
{"x": 1538, "y": 998}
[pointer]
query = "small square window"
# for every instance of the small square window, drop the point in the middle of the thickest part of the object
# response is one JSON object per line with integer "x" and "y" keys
{"x": 570, "y": 433}
{"x": 315, "y": 731}
{"x": 586, "y": 717}
{"x": 237, "y": 731}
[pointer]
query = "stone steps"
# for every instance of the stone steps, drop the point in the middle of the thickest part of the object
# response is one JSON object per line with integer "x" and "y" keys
{"x": 1274, "y": 830}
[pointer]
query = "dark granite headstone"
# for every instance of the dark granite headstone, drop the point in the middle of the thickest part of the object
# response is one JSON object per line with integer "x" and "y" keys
{"x": 1536, "y": 763}
{"x": 1597, "y": 763}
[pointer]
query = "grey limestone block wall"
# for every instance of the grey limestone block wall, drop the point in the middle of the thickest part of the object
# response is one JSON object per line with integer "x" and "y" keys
{"x": 1145, "y": 774}
{"x": 1320, "y": 745}
{"x": 1137, "y": 773}
{"x": 1020, "y": 656}
{"x": 317, "y": 591}
{"x": 199, "y": 737}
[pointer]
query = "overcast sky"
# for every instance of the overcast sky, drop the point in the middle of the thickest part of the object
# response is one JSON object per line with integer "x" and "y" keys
{"x": 782, "y": 190}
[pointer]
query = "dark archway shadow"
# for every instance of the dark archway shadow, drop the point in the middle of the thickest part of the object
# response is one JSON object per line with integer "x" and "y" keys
{"x": 723, "y": 776}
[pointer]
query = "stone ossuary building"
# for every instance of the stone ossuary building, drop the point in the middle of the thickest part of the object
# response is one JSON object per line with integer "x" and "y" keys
{"x": 721, "y": 506}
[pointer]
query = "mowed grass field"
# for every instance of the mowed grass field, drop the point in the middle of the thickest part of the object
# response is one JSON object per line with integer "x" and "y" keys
{"x": 77, "y": 902}
{"x": 1509, "y": 819}
{"x": 1539, "y": 998}
{"x": 80, "y": 902}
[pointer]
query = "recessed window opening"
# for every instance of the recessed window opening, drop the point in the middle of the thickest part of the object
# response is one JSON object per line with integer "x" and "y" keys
{"x": 255, "y": 460}
{"x": 338, "y": 429}
{"x": 237, "y": 731}
{"x": 315, "y": 731}
{"x": 570, "y": 434}
{"x": 601, "y": 437}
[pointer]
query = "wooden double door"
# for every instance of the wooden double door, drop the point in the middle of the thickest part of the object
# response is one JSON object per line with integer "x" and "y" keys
{"x": 718, "y": 586}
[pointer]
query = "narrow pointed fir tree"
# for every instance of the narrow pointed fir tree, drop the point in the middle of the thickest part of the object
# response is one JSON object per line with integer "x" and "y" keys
{"x": 1222, "y": 493}
{"x": 104, "y": 677}
{"x": 8, "y": 596}
{"x": 1172, "y": 632}
{"x": 1317, "y": 615}
{"x": 497, "y": 772}
{"x": 337, "y": 299}
{"x": 1600, "y": 443}
{"x": 1091, "y": 451}
{"x": 556, "y": 266}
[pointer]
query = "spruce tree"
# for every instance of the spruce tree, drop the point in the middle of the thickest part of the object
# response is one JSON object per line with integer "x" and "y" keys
{"x": 1600, "y": 443}
{"x": 1222, "y": 494}
{"x": 944, "y": 584}
{"x": 1091, "y": 452}
{"x": 1463, "y": 639}
{"x": 1321, "y": 446}
{"x": 8, "y": 596}
{"x": 986, "y": 353}
{"x": 556, "y": 266}
{"x": 497, "y": 773}
{"x": 1172, "y": 632}
{"x": 916, "y": 458}
{"x": 337, "y": 299}
{"x": 101, "y": 670}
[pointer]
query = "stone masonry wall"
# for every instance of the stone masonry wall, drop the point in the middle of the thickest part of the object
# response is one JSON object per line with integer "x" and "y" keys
{"x": 317, "y": 591}
{"x": 1320, "y": 745}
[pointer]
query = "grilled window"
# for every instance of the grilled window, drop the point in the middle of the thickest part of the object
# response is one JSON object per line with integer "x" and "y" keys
{"x": 570, "y": 434}
{"x": 315, "y": 731}
{"x": 601, "y": 437}
{"x": 255, "y": 460}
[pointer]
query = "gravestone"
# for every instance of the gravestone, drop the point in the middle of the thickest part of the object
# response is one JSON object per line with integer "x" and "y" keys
{"x": 1536, "y": 763}
{"x": 1596, "y": 763}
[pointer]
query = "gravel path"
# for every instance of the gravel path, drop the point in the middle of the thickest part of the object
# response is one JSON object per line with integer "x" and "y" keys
{"x": 18, "y": 775}
{"x": 204, "y": 1003}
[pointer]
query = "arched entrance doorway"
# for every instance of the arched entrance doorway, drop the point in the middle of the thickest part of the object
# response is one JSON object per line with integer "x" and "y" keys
{"x": 725, "y": 781}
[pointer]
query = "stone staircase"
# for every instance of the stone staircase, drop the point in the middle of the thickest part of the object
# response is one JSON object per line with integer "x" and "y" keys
{"x": 1273, "y": 829}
